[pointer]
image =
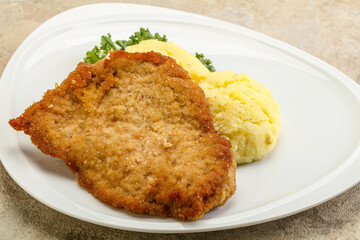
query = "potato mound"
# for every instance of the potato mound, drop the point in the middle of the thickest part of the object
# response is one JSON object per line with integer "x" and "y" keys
{"x": 244, "y": 111}
{"x": 189, "y": 62}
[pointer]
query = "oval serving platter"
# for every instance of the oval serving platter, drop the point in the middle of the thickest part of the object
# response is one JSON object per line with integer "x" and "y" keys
{"x": 317, "y": 156}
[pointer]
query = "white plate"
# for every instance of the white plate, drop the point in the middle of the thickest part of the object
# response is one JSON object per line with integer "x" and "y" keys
{"x": 317, "y": 156}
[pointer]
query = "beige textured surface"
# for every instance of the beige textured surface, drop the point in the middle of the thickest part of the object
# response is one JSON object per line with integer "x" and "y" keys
{"x": 327, "y": 29}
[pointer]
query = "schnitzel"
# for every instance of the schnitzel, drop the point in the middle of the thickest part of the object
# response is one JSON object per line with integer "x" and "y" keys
{"x": 139, "y": 134}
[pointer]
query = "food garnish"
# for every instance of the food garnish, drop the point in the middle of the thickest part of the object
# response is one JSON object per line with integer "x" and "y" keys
{"x": 107, "y": 45}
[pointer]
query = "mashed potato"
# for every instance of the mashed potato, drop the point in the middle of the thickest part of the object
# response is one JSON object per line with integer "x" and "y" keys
{"x": 188, "y": 61}
{"x": 244, "y": 111}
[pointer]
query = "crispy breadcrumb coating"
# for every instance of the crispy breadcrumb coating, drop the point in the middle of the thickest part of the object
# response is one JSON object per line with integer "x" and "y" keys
{"x": 139, "y": 133}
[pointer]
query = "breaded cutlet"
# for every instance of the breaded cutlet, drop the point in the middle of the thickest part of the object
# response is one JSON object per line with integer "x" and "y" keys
{"x": 138, "y": 132}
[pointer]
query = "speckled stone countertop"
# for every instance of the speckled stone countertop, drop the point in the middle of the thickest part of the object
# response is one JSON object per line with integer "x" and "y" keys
{"x": 327, "y": 29}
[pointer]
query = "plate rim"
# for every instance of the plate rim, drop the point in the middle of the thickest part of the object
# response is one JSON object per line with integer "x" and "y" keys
{"x": 350, "y": 84}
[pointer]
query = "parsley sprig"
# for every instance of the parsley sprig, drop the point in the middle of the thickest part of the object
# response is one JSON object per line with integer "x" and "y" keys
{"x": 107, "y": 45}
{"x": 205, "y": 61}
{"x": 137, "y": 37}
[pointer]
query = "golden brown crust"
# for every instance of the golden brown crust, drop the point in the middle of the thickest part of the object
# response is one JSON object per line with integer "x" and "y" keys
{"x": 139, "y": 133}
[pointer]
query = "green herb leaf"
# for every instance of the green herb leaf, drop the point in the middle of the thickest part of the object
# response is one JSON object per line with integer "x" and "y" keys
{"x": 206, "y": 62}
{"x": 107, "y": 45}
{"x": 137, "y": 37}
{"x": 98, "y": 53}
{"x": 93, "y": 56}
